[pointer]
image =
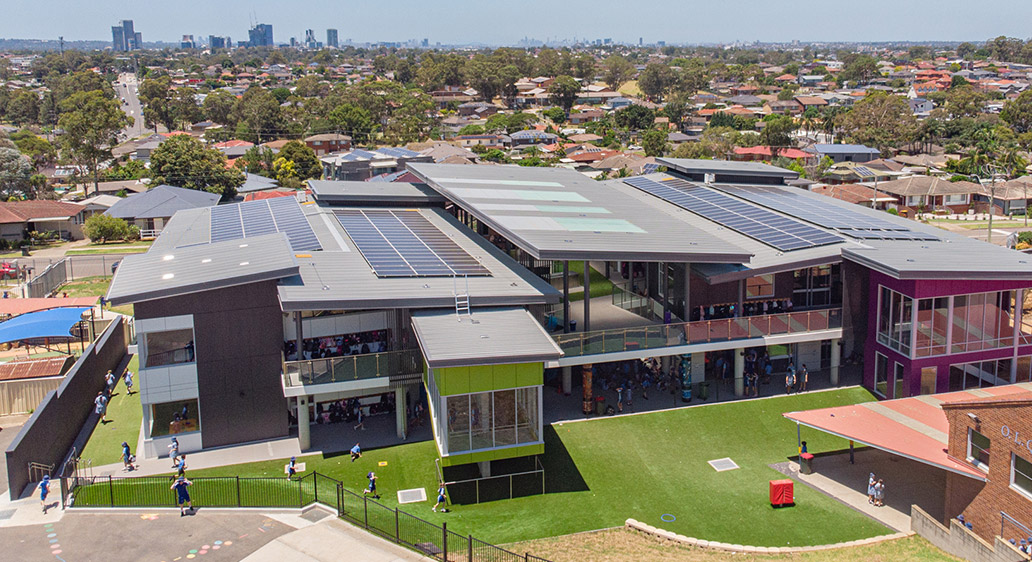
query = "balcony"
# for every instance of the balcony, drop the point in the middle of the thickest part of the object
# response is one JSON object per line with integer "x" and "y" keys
{"x": 699, "y": 332}
{"x": 351, "y": 368}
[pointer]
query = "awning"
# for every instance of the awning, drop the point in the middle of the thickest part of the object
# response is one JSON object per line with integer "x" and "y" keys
{"x": 54, "y": 323}
{"x": 915, "y": 428}
{"x": 17, "y": 307}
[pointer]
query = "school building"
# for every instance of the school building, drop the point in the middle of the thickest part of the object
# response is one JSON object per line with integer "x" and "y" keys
{"x": 460, "y": 292}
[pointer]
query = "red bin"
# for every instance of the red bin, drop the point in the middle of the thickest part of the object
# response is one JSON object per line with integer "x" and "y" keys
{"x": 782, "y": 492}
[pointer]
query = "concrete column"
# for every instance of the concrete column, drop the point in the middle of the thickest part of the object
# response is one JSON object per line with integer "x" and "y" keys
{"x": 664, "y": 363}
{"x": 485, "y": 469}
{"x": 739, "y": 372}
{"x": 741, "y": 298}
{"x": 587, "y": 298}
{"x": 400, "y": 401}
{"x": 300, "y": 335}
{"x": 836, "y": 360}
{"x": 698, "y": 367}
{"x": 589, "y": 400}
{"x": 304, "y": 429}
{"x": 566, "y": 297}
{"x": 567, "y": 380}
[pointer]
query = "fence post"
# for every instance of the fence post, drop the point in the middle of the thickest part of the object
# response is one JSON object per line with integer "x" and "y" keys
{"x": 340, "y": 499}
{"x": 111, "y": 491}
{"x": 315, "y": 485}
{"x": 397, "y": 526}
{"x": 365, "y": 509}
{"x": 300, "y": 494}
{"x": 470, "y": 542}
{"x": 238, "y": 491}
{"x": 444, "y": 544}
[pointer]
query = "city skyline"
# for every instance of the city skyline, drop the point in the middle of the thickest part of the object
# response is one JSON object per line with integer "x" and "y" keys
{"x": 470, "y": 23}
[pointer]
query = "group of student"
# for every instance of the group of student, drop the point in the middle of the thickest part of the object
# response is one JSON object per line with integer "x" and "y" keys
{"x": 875, "y": 491}
{"x": 101, "y": 401}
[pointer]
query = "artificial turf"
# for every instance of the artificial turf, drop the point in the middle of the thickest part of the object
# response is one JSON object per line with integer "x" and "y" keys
{"x": 124, "y": 415}
{"x": 601, "y": 472}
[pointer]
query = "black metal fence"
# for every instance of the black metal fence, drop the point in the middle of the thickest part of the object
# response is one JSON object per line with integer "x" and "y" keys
{"x": 390, "y": 523}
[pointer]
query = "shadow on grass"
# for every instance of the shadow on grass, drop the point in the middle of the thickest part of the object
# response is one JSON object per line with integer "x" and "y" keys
{"x": 561, "y": 473}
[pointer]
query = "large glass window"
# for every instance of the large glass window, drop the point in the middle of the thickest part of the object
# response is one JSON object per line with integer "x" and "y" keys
{"x": 169, "y": 348}
{"x": 881, "y": 374}
{"x": 761, "y": 286}
{"x": 932, "y": 326}
{"x": 895, "y": 317}
{"x": 486, "y": 420}
{"x": 980, "y": 374}
{"x": 978, "y": 449}
{"x": 982, "y": 321}
{"x": 1021, "y": 475}
{"x": 171, "y": 418}
{"x": 816, "y": 286}
{"x": 898, "y": 387}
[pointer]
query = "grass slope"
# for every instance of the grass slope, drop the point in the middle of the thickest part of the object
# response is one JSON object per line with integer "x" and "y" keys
{"x": 93, "y": 287}
{"x": 124, "y": 416}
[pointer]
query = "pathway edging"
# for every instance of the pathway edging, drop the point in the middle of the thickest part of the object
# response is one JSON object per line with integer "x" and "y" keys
{"x": 715, "y": 545}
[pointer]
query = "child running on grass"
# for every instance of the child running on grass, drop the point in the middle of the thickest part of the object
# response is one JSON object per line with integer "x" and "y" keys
{"x": 372, "y": 486}
{"x": 440, "y": 497}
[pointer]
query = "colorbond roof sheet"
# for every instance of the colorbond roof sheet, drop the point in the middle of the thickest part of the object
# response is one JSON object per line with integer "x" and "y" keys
{"x": 622, "y": 224}
{"x": 914, "y": 427}
{"x": 489, "y": 336}
{"x": 372, "y": 193}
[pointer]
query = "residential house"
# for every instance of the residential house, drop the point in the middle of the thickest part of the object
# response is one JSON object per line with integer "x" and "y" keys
{"x": 930, "y": 193}
{"x": 852, "y": 172}
{"x": 1010, "y": 197}
{"x": 327, "y": 143}
{"x": 478, "y": 109}
{"x": 357, "y": 165}
{"x": 845, "y": 152}
{"x": 530, "y": 136}
{"x": 487, "y": 141}
{"x": 811, "y": 101}
{"x": 745, "y": 100}
{"x": 116, "y": 187}
{"x": 19, "y": 218}
{"x": 254, "y": 183}
{"x": 783, "y": 107}
{"x": 857, "y": 194}
{"x": 764, "y": 153}
{"x": 921, "y": 107}
{"x": 586, "y": 116}
{"x": 151, "y": 210}
{"x": 97, "y": 205}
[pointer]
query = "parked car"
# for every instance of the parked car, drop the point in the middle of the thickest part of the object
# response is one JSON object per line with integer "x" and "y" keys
{"x": 9, "y": 270}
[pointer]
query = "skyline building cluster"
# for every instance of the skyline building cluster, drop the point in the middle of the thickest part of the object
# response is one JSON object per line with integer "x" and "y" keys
{"x": 124, "y": 38}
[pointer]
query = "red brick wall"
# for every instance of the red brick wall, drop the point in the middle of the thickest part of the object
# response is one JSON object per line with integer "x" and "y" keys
{"x": 982, "y": 504}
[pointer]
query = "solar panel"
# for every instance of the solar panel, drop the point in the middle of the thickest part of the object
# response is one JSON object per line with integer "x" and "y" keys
{"x": 755, "y": 222}
{"x": 649, "y": 168}
{"x": 823, "y": 213}
{"x": 255, "y": 218}
{"x": 406, "y": 244}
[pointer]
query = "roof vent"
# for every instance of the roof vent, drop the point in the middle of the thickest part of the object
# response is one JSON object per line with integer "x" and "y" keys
{"x": 910, "y": 259}
{"x": 168, "y": 276}
{"x": 167, "y": 257}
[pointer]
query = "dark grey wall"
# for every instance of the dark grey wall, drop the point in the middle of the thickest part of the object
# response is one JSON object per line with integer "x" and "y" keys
{"x": 238, "y": 335}
{"x": 49, "y": 434}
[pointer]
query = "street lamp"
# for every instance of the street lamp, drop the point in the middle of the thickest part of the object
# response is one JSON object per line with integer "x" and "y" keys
{"x": 991, "y": 171}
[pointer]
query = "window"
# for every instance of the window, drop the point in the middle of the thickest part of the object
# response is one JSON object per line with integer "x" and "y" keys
{"x": 978, "y": 449}
{"x": 928, "y": 379}
{"x": 759, "y": 287}
{"x": 1021, "y": 475}
{"x": 881, "y": 374}
{"x": 958, "y": 199}
{"x": 169, "y": 348}
{"x": 932, "y": 326}
{"x": 171, "y": 418}
{"x": 895, "y": 318}
{"x": 981, "y": 374}
{"x": 898, "y": 388}
{"x": 487, "y": 420}
{"x": 982, "y": 321}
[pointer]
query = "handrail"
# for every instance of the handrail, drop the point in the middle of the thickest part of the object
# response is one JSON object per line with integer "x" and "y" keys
{"x": 700, "y": 331}
{"x": 352, "y": 367}
{"x": 1003, "y": 520}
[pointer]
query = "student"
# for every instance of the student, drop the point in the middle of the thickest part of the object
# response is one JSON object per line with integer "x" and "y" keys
{"x": 372, "y": 486}
{"x": 870, "y": 490}
{"x": 358, "y": 414}
{"x": 356, "y": 452}
{"x": 44, "y": 489}
{"x": 790, "y": 378}
{"x": 127, "y": 457}
{"x": 440, "y": 496}
{"x": 619, "y": 399}
{"x": 181, "y": 467}
{"x": 101, "y": 402}
{"x": 802, "y": 448}
{"x": 109, "y": 380}
{"x": 879, "y": 493}
{"x": 128, "y": 378}
{"x": 174, "y": 451}
{"x": 804, "y": 376}
{"x": 182, "y": 494}
{"x": 292, "y": 468}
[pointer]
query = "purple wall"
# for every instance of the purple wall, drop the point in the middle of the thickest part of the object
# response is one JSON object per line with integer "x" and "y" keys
{"x": 912, "y": 367}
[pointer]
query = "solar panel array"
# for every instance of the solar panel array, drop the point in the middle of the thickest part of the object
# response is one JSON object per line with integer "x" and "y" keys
{"x": 255, "y": 218}
{"x": 406, "y": 244}
{"x": 824, "y": 213}
{"x": 649, "y": 168}
{"x": 755, "y": 222}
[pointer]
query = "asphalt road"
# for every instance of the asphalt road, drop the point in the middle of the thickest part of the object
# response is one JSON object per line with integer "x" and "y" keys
{"x": 160, "y": 536}
{"x": 126, "y": 89}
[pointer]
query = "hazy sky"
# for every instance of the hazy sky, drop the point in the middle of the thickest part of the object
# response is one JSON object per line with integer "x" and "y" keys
{"x": 496, "y": 22}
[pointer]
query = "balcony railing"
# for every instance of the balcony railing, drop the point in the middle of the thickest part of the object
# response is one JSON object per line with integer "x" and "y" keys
{"x": 702, "y": 331}
{"x": 352, "y": 367}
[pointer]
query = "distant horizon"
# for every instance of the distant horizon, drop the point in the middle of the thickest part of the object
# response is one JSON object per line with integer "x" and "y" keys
{"x": 466, "y": 22}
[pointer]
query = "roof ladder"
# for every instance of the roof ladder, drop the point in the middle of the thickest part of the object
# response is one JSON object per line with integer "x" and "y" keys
{"x": 461, "y": 301}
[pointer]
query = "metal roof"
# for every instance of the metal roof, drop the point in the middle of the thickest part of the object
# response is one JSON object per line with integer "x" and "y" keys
{"x": 693, "y": 166}
{"x": 340, "y": 278}
{"x": 488, "y": 336}
{"x": 162, "y": 273}
{"x": 955, "y": 257}
{"x": 372, "y": 193}
{"x": 559, "y": 214}
{"x": 161, "y": 201}
{"x": 844, "y": 149}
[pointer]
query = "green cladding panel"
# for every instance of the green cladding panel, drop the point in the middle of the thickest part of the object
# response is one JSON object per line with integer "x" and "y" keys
{"x": 485, "y": 378}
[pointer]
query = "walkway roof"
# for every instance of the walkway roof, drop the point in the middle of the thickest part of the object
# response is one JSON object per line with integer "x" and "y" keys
{"x": 373, "y": 193}
{"x": 915, "y": 428}
{"x": 54, "y": 323}
{"x": 16, "y": 307}
{"x": 560, "y": 214}
{"x": 490, "y": 336}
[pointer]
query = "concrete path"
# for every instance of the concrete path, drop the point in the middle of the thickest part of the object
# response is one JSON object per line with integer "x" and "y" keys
{"x": 9, "y": 428}
{"x": 210, "y": 458}
{"x": 327, "y": 541}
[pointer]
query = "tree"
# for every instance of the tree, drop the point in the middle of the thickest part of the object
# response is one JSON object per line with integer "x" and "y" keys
{"x": 776, "y": 133}
{"x": 305, "y": 163}
{"x": 39, "y": 150}
{"x": 1018, "y": 112}
{"x": 91, "y": 122}
{"x": 23, "y": 109}
{"x": 618, "y": 71}
{"x": 556, "y": 114}
{"x": 655, "y": 81}
{"x": 185, "y": 110}
{"x": 654, "y": 142}
{"x": 259, "y": 114}
{"x": 156, "y": 95}
{"x": 676, "y": 110}
{"x": 563, "y": 92}
{"x": 218, "y": 107}
{"x": 102, "y": 228}
{"x": 957, "y": 81}
{"x": 183, "y": 161}
{"x": 15, "y": 170}
{"x": 635, "y": 118}
{"x": 880, "y": 120}
{"x": 860, "y": 68}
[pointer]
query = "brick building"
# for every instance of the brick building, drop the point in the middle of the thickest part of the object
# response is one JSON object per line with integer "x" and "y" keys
{"x": 994, "y": 434}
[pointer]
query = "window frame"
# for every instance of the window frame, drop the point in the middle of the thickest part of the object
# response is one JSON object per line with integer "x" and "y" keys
{"x": 1014, "y": 469}
{"x": 977, "y": 463}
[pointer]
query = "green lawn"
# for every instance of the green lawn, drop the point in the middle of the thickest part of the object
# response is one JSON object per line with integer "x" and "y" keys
{"x": 600, "y": 286}
{"x": 601, "y": 472}
{"x": 92, "y": 251}
{"x": 93, "y": 287}
{"x": 124, "y": 416}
